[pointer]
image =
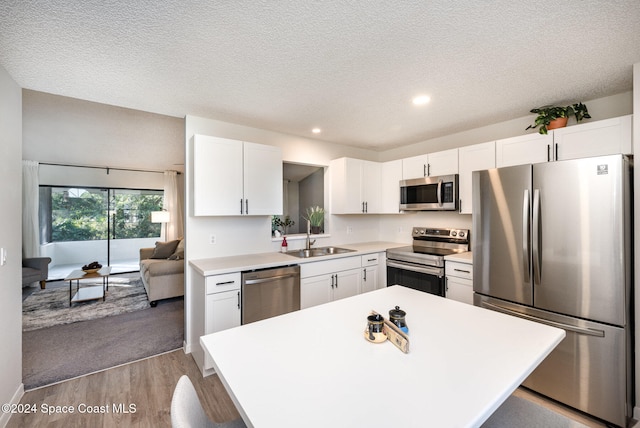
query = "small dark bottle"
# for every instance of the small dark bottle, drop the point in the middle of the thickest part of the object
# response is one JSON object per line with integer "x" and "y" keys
{"x": 397, "y": 316}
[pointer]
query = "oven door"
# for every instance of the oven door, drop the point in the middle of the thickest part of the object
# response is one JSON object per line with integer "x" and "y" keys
{"x": 422, "y": 278}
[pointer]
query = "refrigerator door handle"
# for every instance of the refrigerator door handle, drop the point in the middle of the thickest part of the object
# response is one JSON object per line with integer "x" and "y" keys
{"x": 568, "y": 327}
{"x": 526, "y": 255}
{"x": 537, "y": 255}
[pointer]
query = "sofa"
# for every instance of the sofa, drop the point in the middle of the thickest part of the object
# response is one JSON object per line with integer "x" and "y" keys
{"x": 162, "y": 270}
{"x": 35, "y": 269}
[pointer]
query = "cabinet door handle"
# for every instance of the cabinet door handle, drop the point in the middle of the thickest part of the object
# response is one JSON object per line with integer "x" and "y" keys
{"x": 332, "y": 281}
{"x": 224, "y": 283}
{"x": 365, "y": 274}
{"x": 238, "y": 300}
{"x": 241, "y": 207}
{"x": 336, "y": 280}
{"x": 363, "y": 207}
{"x": 366, "y": 207}
{"x": 371, "y": 260}
{"x": 556, "y": 146}
{"x": 428, "y": 170}
{"x": 461, "y": 270}
{"x": 460, "y": 206}
{"x": 246, "y": 206}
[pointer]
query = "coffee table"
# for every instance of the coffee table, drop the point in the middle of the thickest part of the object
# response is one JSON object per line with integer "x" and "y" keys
{"x": 94, "y": 292}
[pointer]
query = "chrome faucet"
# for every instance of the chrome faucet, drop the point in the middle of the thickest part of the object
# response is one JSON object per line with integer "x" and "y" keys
{"x": 309, "y": 241}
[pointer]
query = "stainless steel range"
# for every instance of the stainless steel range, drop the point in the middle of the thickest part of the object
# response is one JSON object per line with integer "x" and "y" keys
{"x": 421, "y": 265}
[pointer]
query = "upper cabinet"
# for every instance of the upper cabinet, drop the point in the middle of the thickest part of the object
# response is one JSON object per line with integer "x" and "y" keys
{"x": 391, "y": 173}
{"x": 473, "y": 158}
{"x": 602, "y": 137}
{"x": 355, "y": 186}
{"x": 530, "y": 148}
{"x": 235, "y": 178}
{"x": 438, "y": 163}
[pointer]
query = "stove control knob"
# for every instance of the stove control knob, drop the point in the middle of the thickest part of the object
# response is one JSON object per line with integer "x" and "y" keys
{"x": 462, "y": 234}
{"x": 454, "y": 233}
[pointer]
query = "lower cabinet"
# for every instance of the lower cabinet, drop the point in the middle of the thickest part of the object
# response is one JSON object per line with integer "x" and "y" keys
{"x": 459, "y": 281}
{"x": 372, "y": 272}
{"x": 320, "y": 289}
{"x": 326, "y": 281}
{"x": 215, "y": 307}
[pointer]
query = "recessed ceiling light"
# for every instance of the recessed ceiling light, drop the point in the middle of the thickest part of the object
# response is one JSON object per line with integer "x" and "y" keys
{"x": 316, "y": 130}
{"x": 421, "y": 100}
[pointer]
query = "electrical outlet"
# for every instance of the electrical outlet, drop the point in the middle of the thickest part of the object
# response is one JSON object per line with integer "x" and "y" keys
{"x": 212, "y": 239}
{"x": 349, "y": 230}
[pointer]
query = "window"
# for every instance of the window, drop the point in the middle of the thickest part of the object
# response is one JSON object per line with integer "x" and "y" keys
{"x": 84, "y": 214}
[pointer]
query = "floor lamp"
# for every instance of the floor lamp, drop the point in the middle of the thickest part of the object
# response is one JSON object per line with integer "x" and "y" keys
{"x": 161, "y": 217}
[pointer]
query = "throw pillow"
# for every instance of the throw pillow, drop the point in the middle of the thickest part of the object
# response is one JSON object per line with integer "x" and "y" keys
{"x": 164, "y": 249}
{"x": 178, "y": 254}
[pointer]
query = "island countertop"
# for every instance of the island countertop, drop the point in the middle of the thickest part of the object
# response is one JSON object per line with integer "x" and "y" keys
{"x": 220, "y": 265}
{"x": 314, "y": 368}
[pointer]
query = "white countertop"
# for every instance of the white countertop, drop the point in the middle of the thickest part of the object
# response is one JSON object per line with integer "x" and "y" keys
{"x": 220, "y": 265}
{"x": 313, "y": 367}
{"x": 466, "y": 257}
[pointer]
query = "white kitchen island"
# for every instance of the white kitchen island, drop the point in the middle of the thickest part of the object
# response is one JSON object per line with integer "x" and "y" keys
{"x": 313, "y": 367}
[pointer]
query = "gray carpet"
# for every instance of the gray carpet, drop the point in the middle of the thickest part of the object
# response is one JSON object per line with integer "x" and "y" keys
{"x": 49, "y": 307}
{"x": 65, "y": 351}
{"x": 518, "y": 412}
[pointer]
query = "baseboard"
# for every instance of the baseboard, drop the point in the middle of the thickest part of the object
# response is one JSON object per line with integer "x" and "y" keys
{"x": 187, "y": 347}
{"x": 17, "y": 396}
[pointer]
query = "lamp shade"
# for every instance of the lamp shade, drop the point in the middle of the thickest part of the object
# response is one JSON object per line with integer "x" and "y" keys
{"x": 160, "y": 217}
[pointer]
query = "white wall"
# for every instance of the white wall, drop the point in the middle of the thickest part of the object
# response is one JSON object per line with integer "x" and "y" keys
{"x": 636, "y": 222}
{"x": 70, "y": 131}
{"x": 601, "y": 108}
{"x": 11, "y": 387}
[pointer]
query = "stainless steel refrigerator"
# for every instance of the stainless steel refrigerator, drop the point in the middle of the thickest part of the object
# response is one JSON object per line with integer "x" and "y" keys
{"x": 552, "y": 243}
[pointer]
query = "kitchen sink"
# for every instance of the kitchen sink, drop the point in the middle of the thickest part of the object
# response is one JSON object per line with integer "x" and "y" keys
{"x": 318, "y": 252}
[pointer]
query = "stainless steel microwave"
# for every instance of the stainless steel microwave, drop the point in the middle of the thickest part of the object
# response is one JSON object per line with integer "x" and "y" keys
{"x": 439, "y": 193}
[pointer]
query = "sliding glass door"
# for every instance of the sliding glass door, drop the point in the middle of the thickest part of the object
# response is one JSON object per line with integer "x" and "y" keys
{"x": 81, "y": 224}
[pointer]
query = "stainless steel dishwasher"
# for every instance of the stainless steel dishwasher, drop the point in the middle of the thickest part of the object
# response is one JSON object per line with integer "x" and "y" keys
{"x": 270, "y": 292}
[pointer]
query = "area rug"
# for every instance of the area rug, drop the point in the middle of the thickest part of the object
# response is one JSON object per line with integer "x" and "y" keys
{"x": 62, "y": 352}
{"x": 50, "y": 307}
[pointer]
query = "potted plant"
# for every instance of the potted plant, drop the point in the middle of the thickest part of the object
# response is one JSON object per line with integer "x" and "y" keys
{"x": 277, "y": 223}
{"x": 315, "y": 216}
{"x": 552, "y": 117}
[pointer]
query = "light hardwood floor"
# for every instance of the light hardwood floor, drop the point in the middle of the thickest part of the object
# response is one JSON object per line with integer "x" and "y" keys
{"x": 147, "y": 384}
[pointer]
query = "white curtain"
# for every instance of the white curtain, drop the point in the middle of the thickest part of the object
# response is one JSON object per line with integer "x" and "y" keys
{"x": 30, "y": 202}
{"x": 173, "y": 204}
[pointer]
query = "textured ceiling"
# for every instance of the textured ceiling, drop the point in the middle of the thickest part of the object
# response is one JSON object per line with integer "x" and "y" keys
{"x": 348, "y": 67}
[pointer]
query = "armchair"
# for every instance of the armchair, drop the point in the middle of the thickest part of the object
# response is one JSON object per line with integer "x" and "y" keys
{"x": 35, "y": 269}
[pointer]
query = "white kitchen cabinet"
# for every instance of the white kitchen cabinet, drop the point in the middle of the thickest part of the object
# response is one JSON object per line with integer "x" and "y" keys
{"x": 320, "y": 289}
{"x": 215, "y": 306}
{"x": 236, "y": 178}
{"x": 598, "y": 138}
{"x": 459, "y": 281}
{"x": 473, "y": 158}
{"x": 438, "y": 163}
{"x": 325, "y": 281}
{"x": 355, "y": 186}
{"x": 524, "y": 149}
{"x": 391, "y": 173}
{"x": 371, "y": 272}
